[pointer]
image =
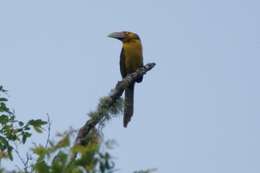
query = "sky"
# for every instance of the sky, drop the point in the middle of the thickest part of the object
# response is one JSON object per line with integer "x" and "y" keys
{"x": 196, "y": 111}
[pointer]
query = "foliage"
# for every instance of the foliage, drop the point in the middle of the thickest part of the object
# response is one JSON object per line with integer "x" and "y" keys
{"x": 60, "y": 155}
{"x": 13, "y": 130}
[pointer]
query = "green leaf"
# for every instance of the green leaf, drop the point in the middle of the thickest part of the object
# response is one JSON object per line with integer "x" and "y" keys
{"x": 10, "y": 149}
{"x": 21, "y": 123}
{"x": 85, "y": 149}
{"x": 64, "y": 142}
{"x": 4, "y": 144}
{"x": 2, "y": 99}
{"x": 40, "y": 151}
{"x": 37, "y": 122}
{"x": 41, "y": 167}
{"x": 59, "y": 162}
{"x": 2, "y": 89}
{"x": 79, "y": 149}
{"x": 37, "y": 125}
{"x": 4, "y": 119}
{"x": 25, "y": 135}
{"x": 6, "y": 147}
{"x": 3, "y": 108}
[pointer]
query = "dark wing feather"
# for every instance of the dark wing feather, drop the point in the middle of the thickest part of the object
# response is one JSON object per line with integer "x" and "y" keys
{"x": 122, "y": 63}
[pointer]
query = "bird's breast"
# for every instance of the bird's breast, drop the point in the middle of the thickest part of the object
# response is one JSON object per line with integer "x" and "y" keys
{"x": 133, "y": 56}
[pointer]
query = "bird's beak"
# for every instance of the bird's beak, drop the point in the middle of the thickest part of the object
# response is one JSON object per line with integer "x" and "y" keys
{"x": 117, "y": 35}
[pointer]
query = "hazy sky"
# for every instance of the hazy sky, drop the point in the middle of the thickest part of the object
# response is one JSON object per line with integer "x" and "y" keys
{"x": 196, "y": 111}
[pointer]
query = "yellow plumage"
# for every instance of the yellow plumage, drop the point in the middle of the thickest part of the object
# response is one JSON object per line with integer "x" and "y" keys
{"x": 133, "y": 55}
{"x": 131, "y": 59}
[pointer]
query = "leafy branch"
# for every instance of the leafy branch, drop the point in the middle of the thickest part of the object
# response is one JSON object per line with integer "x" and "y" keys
{"x": 13, "y": 130}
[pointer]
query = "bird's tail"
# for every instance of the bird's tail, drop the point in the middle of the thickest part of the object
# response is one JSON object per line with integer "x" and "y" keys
{"x": 129, "y": 104}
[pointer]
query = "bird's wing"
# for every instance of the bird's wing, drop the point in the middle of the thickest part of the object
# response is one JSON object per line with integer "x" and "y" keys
{"x": 122, "y": 63}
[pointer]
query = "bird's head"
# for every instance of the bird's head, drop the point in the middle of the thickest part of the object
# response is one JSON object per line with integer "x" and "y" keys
{"x": 124, "y": 36}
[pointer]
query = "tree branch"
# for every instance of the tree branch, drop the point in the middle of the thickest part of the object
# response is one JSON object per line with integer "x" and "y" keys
{"x": 108, "y": 102}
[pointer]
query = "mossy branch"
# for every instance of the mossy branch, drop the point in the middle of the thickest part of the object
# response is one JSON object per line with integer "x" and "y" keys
{"x": 109, "y": 105}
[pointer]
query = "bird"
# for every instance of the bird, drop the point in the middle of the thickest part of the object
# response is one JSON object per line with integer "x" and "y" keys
{"x": 131, "y": 58}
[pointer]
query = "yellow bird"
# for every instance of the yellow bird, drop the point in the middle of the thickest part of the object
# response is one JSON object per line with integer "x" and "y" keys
{"x": 131, "y": 58}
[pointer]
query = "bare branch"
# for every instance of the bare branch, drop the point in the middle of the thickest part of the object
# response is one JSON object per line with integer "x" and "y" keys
{"x": 24, "y": 162}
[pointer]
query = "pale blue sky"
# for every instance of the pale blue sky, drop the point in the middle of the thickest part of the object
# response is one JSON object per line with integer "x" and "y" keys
{"x": 196, "y": 111}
